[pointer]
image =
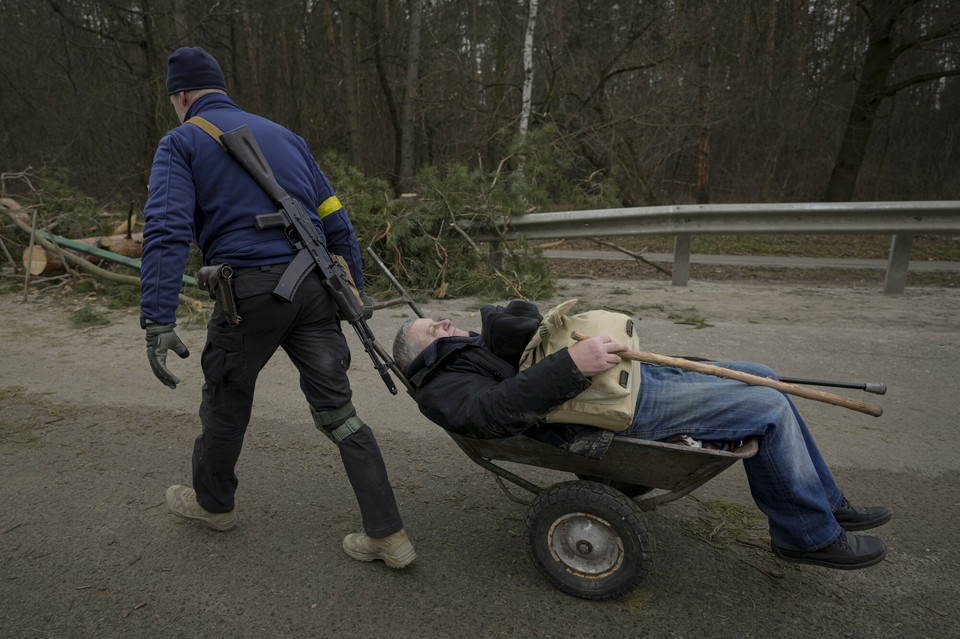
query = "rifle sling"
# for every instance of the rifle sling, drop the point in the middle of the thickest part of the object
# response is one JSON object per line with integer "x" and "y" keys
{"x": 330, "y": 205}
{"x": 209, "y": 127}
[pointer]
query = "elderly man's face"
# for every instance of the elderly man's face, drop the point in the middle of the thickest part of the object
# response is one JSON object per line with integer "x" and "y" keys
{"x": 425, "y": 330}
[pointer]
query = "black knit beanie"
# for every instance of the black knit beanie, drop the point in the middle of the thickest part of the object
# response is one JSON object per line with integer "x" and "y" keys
{"x": 192, "y": 68}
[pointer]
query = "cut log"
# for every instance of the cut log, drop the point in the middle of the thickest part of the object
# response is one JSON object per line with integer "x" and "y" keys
{"x": 40, "y": 261}
{"x": 45, "y": 262}
{"x": 123, "y": 245}
{"x": 124, "y": 228}
{"x": 13, "y": 212}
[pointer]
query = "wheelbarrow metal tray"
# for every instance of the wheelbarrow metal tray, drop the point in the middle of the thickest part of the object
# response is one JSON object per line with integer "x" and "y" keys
{"x": 672, "y": 467}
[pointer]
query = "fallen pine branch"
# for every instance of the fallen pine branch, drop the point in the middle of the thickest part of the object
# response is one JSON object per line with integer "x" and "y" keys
{"x": 635, "y": 256}
{"x": 82, "y": 263}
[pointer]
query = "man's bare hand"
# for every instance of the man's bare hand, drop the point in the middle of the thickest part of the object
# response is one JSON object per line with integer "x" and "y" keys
{"x": 596, "y": 354}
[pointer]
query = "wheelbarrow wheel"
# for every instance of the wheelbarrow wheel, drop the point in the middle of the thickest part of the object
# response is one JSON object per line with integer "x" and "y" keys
{"x": 588, "y": 539}
{"x": 630, "y": 490}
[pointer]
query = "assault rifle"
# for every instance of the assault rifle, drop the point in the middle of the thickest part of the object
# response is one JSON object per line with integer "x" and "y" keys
{"x": 304, "y": 237}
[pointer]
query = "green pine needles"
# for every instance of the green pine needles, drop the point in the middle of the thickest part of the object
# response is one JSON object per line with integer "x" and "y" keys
{"x": 427, "y": 239}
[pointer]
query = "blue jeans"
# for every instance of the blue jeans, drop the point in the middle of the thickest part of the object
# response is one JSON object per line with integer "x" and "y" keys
{"x": 788, "y": 478}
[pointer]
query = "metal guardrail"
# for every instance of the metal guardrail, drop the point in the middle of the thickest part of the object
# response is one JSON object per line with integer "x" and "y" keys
{"x": 902, "y": 220}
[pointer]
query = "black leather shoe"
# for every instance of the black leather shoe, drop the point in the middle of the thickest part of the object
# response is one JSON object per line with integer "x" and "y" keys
{"x": 852, "y": 517}
{"x": 846, "y": 552}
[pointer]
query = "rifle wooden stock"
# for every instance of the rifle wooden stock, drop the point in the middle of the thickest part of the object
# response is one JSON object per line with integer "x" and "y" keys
{"x": 747, "y": 378}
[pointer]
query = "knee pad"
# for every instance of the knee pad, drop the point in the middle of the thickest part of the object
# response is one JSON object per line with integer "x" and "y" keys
{"x": 339, "y": 423}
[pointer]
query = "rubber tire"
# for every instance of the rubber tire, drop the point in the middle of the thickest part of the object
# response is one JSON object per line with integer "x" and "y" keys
{"x": 588, "y": 539}
{"x": 630, "y": 490}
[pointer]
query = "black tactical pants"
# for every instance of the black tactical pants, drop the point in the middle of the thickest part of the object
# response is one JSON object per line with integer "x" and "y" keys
{"x": 233, "y": 357}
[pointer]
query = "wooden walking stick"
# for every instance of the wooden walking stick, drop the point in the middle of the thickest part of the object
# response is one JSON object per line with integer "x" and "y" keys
{"x": 754, "y": 380}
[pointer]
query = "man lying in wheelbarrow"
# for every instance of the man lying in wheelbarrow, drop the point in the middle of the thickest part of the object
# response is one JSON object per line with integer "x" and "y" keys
{"x": 484, "y": 386}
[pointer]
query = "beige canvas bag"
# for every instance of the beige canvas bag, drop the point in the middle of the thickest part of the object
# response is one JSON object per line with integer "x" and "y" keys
{"x": 610, "y": 400}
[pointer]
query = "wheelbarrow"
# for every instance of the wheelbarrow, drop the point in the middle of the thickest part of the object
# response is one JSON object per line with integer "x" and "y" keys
{"x": 587, "y": 535}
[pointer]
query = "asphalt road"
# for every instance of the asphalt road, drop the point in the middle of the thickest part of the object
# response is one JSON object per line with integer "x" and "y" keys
{"x": 780, "y": 261}
{"x": 89, "y": 441}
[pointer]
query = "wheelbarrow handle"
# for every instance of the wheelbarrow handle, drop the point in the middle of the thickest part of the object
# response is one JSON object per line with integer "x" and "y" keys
{"x": 405, "y": 297}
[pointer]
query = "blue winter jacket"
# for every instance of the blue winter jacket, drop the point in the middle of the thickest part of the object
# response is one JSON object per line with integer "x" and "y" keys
{"x": 199, "y": 194}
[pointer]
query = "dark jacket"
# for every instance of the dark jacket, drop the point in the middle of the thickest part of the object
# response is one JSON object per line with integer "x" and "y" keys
{"x": 471, "y": 385}
{"x": 199, "y": 194}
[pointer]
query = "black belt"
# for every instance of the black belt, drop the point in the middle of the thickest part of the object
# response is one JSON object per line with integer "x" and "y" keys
{"x": 294, "y": 273}
{"x": 237, "y": 272}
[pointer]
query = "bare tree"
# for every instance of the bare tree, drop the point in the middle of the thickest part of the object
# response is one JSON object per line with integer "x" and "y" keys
{"x": 886, "y": 44}
{"x": 790, "y": 92}
{"x": 528, "y": 67}
{"x": 703, "y": 106}
{"x": 408, "y": 127}
{"x": 347, "y": 49}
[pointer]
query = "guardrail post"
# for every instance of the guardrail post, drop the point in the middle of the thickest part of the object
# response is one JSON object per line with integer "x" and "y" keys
{"x": 898, "y": 264}
{"x": 681, "y": 259}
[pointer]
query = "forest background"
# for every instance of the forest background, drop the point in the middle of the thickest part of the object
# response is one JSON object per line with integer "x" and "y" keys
{"x": 490, "y": 108}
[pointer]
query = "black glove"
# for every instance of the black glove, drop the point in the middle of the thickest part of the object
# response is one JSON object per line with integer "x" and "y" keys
{"x": 367, "y": 305}
{"x": 160, "y": 339}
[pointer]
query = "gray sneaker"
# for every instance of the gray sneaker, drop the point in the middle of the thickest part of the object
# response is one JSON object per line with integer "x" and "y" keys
{"x": 182, "y": 501}
{"x": 395, "y": 550}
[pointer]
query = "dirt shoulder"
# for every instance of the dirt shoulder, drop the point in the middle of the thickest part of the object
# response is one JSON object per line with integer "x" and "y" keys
{"x": 89, "y": 441}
